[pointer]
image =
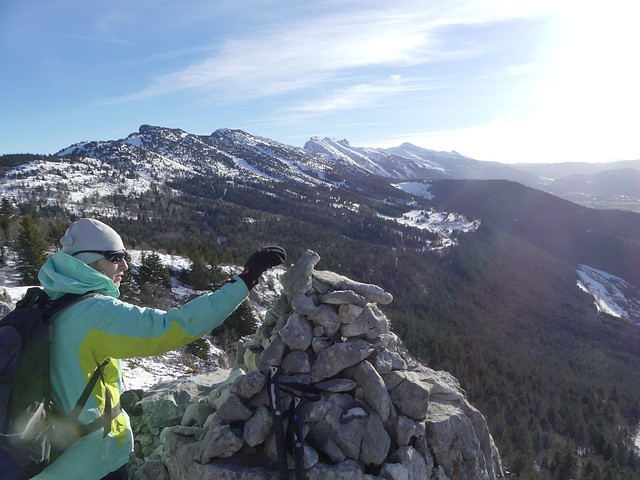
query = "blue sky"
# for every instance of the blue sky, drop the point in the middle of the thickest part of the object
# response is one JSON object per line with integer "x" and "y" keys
{"x": 503, "y": 80}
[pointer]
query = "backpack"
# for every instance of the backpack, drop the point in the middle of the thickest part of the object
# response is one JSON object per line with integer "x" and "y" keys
{"x": 30, "y": 430}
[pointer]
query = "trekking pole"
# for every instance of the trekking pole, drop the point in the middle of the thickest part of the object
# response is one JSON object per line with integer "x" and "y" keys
{"x": 298, "y": 439}
{"x": 274, "y": 398}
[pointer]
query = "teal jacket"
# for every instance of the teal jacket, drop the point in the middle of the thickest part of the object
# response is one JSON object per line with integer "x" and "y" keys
{"x": 102, "y": 326}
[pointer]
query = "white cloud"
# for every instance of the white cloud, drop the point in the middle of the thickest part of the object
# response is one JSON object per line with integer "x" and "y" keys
{"x": 359, "y": 96}
{"x": 287, "y": 56}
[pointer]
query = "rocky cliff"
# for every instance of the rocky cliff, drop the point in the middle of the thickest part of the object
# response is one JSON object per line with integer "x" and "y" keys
{"x": 375, "y": 411}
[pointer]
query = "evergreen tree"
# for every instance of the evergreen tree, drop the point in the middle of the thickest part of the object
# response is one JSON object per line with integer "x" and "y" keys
{"x": 155, "y": 282}
{"x": 199, "y": 274}
{"x": 31, "y": 250}
{"x": 7, "y": 212}
{"x": 217, "y": 278}
{"x": 55, "y": 232}
{"x": 129, "y": 291}
{"x": 240, "y": 323}
{"x": 152, "y": 270}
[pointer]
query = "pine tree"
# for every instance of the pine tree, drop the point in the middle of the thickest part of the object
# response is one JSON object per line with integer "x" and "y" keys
{"x": 6, "y": 209}
{"x": 199, "y": 273}
{"x": 129, "y": 291}
{"x": 31, "y": 250}
{"x": 155, "y": 282}
{"x": 7, "y": 212}
{"x": 152, "y": 270}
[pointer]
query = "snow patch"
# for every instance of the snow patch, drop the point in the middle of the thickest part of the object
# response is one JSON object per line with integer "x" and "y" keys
{"x": 446, "y": 225}
{"x": 612, "y": 295}
{"x": 416, "y": 188}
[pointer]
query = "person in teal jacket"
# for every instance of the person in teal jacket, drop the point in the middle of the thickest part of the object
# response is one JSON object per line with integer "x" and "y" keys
{"x": 101, "y": 327}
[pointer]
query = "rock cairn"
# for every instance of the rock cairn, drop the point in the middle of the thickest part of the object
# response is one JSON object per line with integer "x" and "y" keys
{"x": 381, "y": 413}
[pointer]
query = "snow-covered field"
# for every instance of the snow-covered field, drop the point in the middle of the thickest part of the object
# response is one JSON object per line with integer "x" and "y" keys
{"x": 445, "y": 224}
{"x": 416, "y": 188}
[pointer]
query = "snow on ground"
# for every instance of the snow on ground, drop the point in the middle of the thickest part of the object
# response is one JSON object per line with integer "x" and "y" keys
{"x": 416, "y": 188}
{"x": 612, "y": 294}
{"x": 447, "y": 225}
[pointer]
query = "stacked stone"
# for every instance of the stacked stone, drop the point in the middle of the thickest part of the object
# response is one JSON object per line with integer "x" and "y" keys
{"x": 380, "y": 413}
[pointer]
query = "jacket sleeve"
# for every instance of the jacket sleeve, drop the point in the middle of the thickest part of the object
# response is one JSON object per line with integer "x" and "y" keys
{"x": 121, "y": 330}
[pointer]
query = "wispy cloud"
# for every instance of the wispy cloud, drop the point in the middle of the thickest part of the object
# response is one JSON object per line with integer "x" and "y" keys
{"x": 358, "y": 96}
{"x": 289, "y": 56}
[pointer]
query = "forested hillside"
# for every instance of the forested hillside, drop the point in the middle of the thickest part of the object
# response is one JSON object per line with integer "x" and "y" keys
{"x": 558, "y": 382}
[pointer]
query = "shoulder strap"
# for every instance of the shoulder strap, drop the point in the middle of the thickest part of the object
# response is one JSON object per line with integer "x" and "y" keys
{"x": 110, "y": 412}
{"x": 299, "y": 392}
{"x": 65, "y": 301}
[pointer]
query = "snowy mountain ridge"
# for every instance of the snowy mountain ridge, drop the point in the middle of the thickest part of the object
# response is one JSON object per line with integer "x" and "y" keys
{"x": 81, "y": 176}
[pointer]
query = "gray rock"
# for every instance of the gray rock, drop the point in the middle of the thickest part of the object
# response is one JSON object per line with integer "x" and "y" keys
{"x": 280, "y": 306}
{"x": 408, "y": 393}
{"x": 332, "y": 360}
{"x": 347, "y": 313}
{"x": 252, "y": 358}
{"x": 272, "y": 355}
{"x": 296, "y": 362}
{"x": 337, "y": 385}
{"x": 220, "y": 442}
{"x": 342, "y": 297}
{"x": 394, "y": 471}
{"x": 298, "y": 278}
{"x": 412, "y": 461}
{"x": 372, "y": 293}
{"x": 326, "y": 317}
{"x": 320, "y": 343}
{"x": 370, "y": 324}
{"x": 196, "y": 414}
{"x": 390, "y": 341}
{"x": 374, "y": 395}
{"x": 297, "y": 334}
{"x": 375, "y": 441}
{"x": 402, "y": 430}
{"x": 320, "y": 287}
{"x": 156, "y": 470}
{"x": 374, "y": 390}
{"x": 233, "y": 410}
{"x": 345, "y": 470}
{"x": 258, "y": 426}
{"x": 304, "y": 304}
{"x": 454, "y": 444}
{"x": 387, "y": 361}
{"x": 339, "y": 433}
{"x": 249, "y": 384}
{"x": 165, "y": 403}
{"x": 438, "y": 474}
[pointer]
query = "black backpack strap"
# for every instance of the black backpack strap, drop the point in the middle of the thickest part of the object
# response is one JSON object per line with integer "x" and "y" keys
{"x": 300, "y": 392}
{"x": 68, "y": 299}
{"x": 295, "y": 435}
{"x": 110, "y": 412}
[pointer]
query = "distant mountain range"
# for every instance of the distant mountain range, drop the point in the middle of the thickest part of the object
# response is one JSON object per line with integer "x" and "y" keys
{"x": 228, "y": 153}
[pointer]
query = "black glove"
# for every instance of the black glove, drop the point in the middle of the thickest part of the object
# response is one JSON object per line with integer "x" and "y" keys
{"x": 259, "y": 262}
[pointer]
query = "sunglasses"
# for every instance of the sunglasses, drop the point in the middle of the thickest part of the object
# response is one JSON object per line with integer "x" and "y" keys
{"x": 115, "y": 257}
